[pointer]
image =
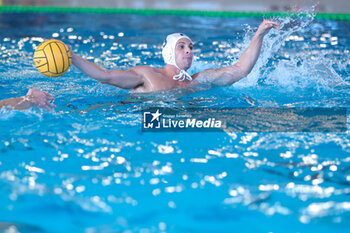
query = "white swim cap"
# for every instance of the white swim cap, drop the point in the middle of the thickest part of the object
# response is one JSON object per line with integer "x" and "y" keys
{"x": 168, "y": 53}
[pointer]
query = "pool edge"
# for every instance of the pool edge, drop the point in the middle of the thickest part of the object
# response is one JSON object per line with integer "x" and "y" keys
{"x": 228, "y": 14}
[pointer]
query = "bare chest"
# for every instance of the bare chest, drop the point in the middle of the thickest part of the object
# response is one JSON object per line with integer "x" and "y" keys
{"x": 156, "y": 81}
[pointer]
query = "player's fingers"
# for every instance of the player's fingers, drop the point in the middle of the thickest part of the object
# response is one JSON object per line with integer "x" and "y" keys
{"x": 275, "y": 24}
{"x": 51, "y": 105}
{"x": 48, "y": 96}
{"x": 47, "y": 108}
{"x": 30, "y": 91}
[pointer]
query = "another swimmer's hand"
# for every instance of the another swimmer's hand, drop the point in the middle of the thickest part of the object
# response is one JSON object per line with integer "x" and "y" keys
{"x": 266, "y": 26}
{"x": 40, "y": 99}
{"x": 70, "y": 49}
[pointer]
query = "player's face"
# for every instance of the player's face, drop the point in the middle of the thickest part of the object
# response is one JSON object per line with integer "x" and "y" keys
{"x": 184, "y": 53}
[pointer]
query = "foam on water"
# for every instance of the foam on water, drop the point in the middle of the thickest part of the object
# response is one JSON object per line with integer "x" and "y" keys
{"x": 303, "y": 54}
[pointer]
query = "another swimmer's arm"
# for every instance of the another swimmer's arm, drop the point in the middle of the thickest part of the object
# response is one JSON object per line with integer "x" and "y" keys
{"x": 126, "y": 79}
{"x": 18, "y": 103}
{"x": 34, "y": 98}
{"x": 231, "y": 74}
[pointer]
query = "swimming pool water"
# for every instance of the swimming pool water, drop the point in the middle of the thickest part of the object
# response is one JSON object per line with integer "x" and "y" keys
{"x": 89, "y": 168}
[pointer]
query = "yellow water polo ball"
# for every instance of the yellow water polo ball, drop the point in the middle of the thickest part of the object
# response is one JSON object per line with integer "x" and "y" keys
{"x": 52, "y": 58}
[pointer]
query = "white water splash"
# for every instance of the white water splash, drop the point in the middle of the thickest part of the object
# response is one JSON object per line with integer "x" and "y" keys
{"x": 294, "y": 58}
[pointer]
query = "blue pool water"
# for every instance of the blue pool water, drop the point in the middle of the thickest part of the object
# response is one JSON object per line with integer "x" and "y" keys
{"x": 89, "y": 168}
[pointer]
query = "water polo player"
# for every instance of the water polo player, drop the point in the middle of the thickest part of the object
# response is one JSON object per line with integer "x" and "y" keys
{"x": 178, "y": 55}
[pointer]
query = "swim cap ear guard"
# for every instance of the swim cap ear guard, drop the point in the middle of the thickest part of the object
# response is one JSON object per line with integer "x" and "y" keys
{"x": 168, "y": 53}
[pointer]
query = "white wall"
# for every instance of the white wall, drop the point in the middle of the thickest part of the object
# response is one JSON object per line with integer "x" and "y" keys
{"x": 337, "y": 6}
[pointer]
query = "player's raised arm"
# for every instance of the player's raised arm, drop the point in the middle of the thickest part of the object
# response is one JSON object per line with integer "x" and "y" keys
{"x": 231, "y": 74}
{"x": 126, "y": 79}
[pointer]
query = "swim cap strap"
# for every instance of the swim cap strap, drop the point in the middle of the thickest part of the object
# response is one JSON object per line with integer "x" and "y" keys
{"x": 182, "y": 76}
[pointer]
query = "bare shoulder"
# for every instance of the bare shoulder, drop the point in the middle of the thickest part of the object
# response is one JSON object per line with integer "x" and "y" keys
{"x": 142, "y": 69}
